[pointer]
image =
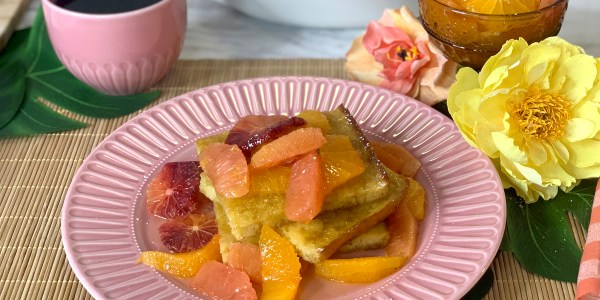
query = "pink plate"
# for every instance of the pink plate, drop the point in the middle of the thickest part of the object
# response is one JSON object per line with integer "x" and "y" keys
{"x": 105, "y": 225}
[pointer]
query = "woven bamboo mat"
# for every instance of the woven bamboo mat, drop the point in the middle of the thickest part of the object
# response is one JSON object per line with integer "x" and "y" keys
{"x": 35, "y": 173}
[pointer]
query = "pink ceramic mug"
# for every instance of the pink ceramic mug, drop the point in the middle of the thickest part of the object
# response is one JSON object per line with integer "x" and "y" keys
{"x": 121, "y": 53}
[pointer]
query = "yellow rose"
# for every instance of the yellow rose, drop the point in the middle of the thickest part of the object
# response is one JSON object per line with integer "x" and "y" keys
{"x": 535, "y": 111}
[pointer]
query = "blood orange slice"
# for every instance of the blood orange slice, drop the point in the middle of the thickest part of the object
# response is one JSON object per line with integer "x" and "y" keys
{"x": 220, "y": 281}
{"x": 246, "y": 257}
{"x": 253, "y": 131}
{"x": 287, "y": 147}
{"x": 306, "y": 188}
{"x": 174, "y": 192}
{"x": 187, "y": 234}
{"x": 226, "y": 166}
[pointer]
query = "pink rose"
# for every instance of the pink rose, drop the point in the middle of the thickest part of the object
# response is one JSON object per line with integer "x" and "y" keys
{"x": 395, "y": 53}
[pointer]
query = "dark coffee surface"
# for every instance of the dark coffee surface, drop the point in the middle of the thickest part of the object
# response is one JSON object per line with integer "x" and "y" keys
{"x": 104, "y": 6}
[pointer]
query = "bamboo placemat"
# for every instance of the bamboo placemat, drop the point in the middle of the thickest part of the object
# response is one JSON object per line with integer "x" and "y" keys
{"x": 35, "y": 173}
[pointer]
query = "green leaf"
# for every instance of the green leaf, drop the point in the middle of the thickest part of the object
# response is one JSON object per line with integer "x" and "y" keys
{"x": 82, "y": 99}
{"x": 36, "y": 72}
{"x": 35, "y": 117}
{"x": 15, "y": 46}
{"x": 540, "y": 236}
{"x": 482, "y": 287}
{"x": 579, "y": 201}
{"x": 12, "y": 90}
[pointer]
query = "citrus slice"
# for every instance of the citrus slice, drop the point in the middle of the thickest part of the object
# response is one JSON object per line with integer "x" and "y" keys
{"x": 220, "y": 281}
{"x": 359, "y": 270}
{"x": 415, "y": 199}
{"x": 341, "y": 161}
{"x": 500, "y": 7}
{"x": 280, "y": 266}
{"x": 253, "y": 131}
{"x": 316, "y": 119}
{"x": 227, "y": 168}
{"x": 270, "y": 181}
{"x": 306, "y": 188}
{"x": 404, "y": 231}
{"x": 188, "y": 234}
{"x": 182, "y": 265}
{"x": 396, "y": 157}
{"x": 287, "y": 147}
{"x": 246, "y": 257}
{"x": 174, "y": 191}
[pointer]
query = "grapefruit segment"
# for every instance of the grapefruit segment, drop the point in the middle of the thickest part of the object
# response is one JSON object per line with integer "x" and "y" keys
{"x": 397, "y": 158}
{"x": 359, "y": 270}
{"x": 220, "y": 281}
{"x": 246, "y": 257}
{"x": 253, "y": 131}
{"x": 306, "y": 189}
{"x": 404, "y": 231}
{"x": 226, "y": 166}
{"x": 280, "y": 266}
{"x": 187, "y": 234}
{"x": 182, "y": 265}
{"x": 341, "y": 161}
{"x": 287, "y": 147}
{"x": 174, "y": 191}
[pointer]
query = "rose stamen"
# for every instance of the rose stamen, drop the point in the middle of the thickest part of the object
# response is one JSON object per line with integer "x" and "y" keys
{"x": 541, "y": 115}
{"x": 403, "y": 54}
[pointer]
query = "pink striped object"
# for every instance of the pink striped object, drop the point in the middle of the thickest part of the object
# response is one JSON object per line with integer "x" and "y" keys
{"x": 588, "y": 280}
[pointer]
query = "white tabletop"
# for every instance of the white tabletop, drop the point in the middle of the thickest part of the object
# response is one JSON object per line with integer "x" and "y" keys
{"x": 219, "y": 32}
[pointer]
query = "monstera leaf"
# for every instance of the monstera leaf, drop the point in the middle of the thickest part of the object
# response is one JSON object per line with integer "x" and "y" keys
{"x": 31, "y": 77}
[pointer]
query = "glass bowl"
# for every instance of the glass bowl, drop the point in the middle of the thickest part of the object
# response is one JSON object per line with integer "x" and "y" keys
{"x": 471, "y": 38}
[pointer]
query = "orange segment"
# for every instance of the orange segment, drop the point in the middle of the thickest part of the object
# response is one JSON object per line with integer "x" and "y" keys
{"x": 246, "y": 257}
{"x": 340, "y": 160}
{"x": 270, "y": 181}
{"x": 220, "y": 281}
{"x": 500, "y": 7}
{"x": 404, "y": 231}
{"x": 316, "y": 119}
{"x": 396, "y": 158}
{"x": 306, "y": 190}
{"x": 227, "y": 168}
{"x": 293, "y": 144}
{"x": 280, "y": 266}
{"x": 415, "y": 199}
{"x": 359, "y": 270}
{"x": 183, "y": 265}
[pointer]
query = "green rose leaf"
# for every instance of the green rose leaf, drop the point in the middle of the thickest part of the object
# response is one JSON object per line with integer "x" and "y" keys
{"x": 31, "y": 71}
{"x": 540, "y": 236}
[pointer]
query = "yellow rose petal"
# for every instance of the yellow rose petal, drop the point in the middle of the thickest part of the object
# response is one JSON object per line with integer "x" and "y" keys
{"x": 579, "y": 129}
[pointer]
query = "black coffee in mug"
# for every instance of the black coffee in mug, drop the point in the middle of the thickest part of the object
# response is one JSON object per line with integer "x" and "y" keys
{"x": 104, "y": 6}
